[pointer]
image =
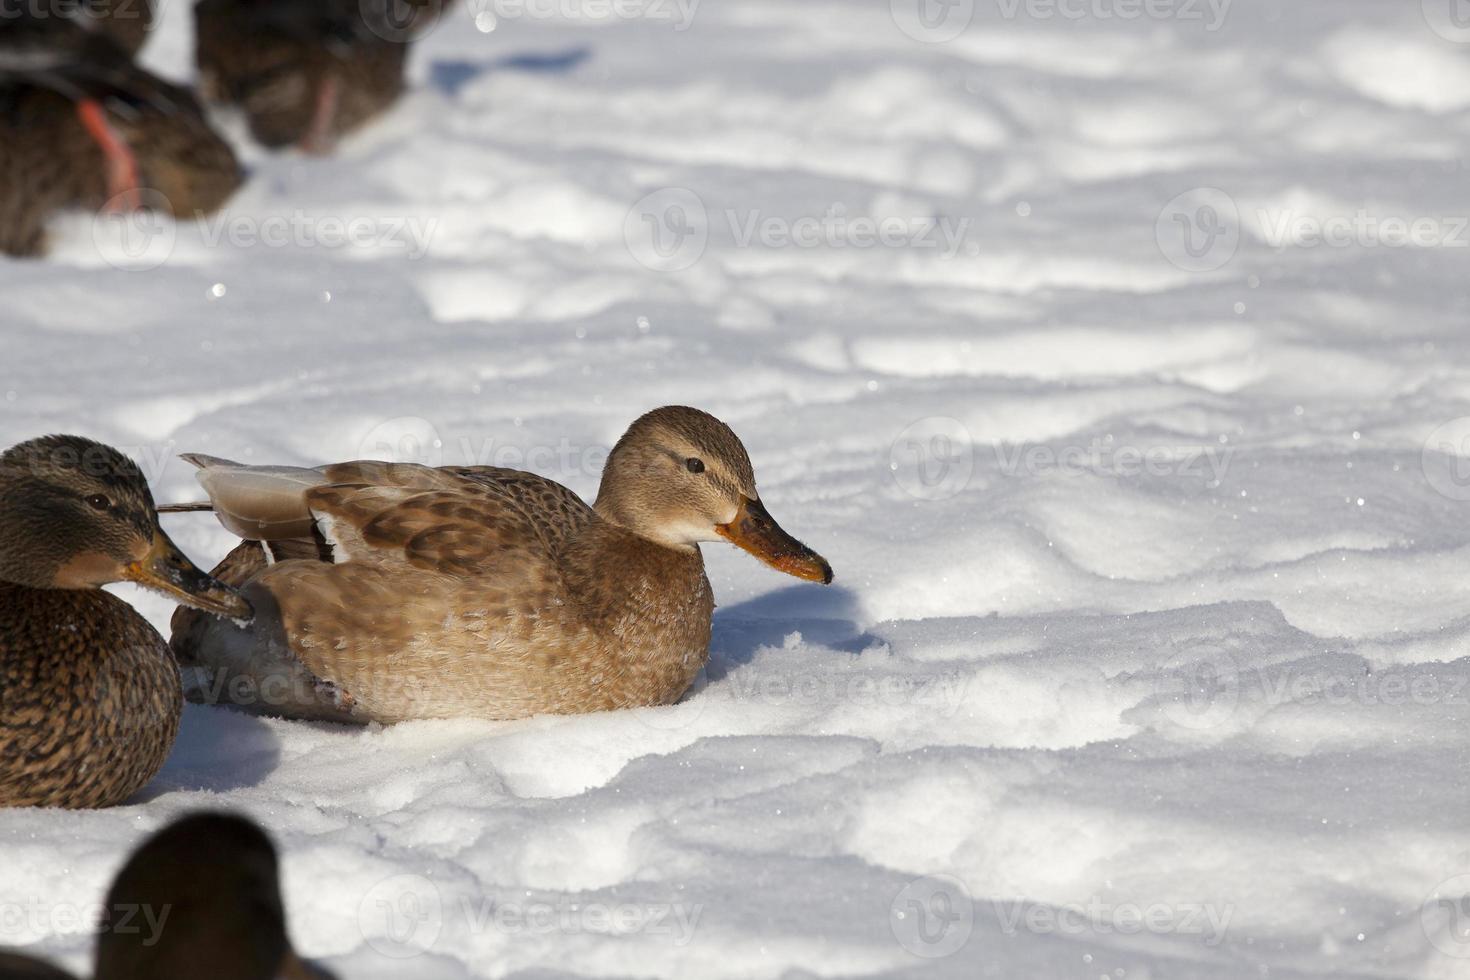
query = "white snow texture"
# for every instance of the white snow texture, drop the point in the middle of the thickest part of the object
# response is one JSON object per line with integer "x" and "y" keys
{"x": 1113, "y": 352}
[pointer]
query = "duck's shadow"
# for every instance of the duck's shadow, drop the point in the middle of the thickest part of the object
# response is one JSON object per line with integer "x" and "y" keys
{"x": 824, "y": 615}
{"x": 449, "y": 76}
{"x": 218, "y": 749}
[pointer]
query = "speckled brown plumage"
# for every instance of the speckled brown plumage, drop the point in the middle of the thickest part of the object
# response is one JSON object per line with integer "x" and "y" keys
{"x": 304, "y": 74}
{"x": 480, "y": 591}
{"x": 89, "y": 699}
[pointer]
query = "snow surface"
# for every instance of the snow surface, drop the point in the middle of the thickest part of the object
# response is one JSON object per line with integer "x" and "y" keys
{"x": 1147, "y": 652}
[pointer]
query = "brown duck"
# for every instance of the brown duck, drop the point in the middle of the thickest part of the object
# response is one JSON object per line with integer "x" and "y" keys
{"x": 90, "y": 697}
{"x": 81, "y": 126}
{"x": 387, "y": 592}
{"x": 306, "y": 74}
{"x": 200, "y": 898}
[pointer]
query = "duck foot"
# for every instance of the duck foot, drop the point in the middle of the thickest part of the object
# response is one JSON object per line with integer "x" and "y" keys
{"x": 319, "y": 140}
{"x": 124, "y": 191}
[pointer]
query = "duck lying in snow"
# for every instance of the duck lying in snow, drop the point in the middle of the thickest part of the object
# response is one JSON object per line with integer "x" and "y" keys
{"x": 386, "y": 592}
{"x": 82, "y": 126}
{"x": 89, "y": 695}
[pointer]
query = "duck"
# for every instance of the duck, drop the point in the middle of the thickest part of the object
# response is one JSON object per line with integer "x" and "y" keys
{"x": 90, "y": 695}
{"x": 388, "y": 592}
{"x": 306, "y": 74}
{"x": 82, "y": 126}
{"x": 205, "y": 889}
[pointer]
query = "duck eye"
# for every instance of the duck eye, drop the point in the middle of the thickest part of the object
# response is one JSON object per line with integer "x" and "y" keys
{"x": 694, "y": 465}
{"x": 99, "y": 502}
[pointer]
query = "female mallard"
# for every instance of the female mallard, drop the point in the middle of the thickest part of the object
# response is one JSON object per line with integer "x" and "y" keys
{"x": 90, "y": 697}
{"x": 81, "y": 126}
{"x": 387, "y": 591}
{"x": 306, "y": 74}
{"x": 204, "y": 890}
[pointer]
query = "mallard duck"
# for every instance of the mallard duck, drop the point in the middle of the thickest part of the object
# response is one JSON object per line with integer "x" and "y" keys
{"x": 204, "y": 890}
{"x": 90, "y": 697}
{"x": 306, "y": 74}
{"x": 386, "y": 592}
{"x": 81, "y": 126}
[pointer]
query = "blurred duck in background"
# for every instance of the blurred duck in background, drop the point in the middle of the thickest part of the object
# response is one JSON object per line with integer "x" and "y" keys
{"x": 200, "y": 898}
{"x": 82, "y": 126}
{"x": 306, "y": 74}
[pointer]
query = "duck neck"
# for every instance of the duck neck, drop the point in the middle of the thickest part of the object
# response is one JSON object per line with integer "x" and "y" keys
{"x": 627, "y": 514}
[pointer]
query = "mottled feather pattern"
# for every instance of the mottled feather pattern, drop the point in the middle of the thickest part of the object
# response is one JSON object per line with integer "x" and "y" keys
{"x": 90, "y": 699}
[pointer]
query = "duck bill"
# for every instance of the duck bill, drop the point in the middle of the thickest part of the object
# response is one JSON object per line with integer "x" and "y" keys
{"x": 166, "y": 569}
{"x": 754, "y": 530}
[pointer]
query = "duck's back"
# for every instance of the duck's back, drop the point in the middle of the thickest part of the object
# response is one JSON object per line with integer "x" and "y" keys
{"x": 90, "y": 699}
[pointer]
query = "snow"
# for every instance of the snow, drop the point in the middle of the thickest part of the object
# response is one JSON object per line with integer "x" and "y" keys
{"x": 1147, "y": 651}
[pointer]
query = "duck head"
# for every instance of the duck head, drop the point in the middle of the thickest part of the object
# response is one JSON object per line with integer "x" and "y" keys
{"x": 203, "y": 897}
{"x": 75, "y": 514}
{"x": 680, "y": 476}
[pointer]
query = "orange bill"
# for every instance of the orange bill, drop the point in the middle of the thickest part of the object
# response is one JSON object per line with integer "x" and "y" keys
{"x": 166, "y": 569}
{"x": 754, "y": 530}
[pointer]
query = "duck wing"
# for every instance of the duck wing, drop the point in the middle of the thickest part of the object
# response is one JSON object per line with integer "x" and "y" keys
{"x": 428, "y": 566}
{"x": 556, "y": 512}
{"x": 367, "y": 562}
{"x": 449, "y": 519}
